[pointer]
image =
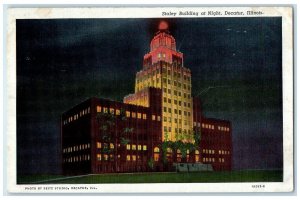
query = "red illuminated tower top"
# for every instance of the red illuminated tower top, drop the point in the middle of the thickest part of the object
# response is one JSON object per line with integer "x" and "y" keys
{"x": 163, "y": 47}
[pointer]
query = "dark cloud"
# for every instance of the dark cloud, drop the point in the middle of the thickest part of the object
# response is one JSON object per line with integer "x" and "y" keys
{"x": 62, "y": 62}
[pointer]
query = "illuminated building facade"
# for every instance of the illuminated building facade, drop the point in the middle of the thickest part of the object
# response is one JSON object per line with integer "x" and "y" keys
{"x": 163, "y": 68}
{"x": 105, "y": 136}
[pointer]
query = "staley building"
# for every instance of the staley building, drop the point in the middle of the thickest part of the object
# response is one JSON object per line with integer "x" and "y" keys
{"x": 105, "y": 136}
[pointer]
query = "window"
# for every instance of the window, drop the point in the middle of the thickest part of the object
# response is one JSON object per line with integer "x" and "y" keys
{"x": 153, "y": 117}
{"x": 156, "y": 150}
{"x": 144, "y": 147}
{"x": 111, "y": 146}
{"x": 175, "y": 111}
{"x": 169, "y": 109}
{"x": 112, "y": 111}
{"x": 105, "y": 110}
{"x": 128, "y": 157}
{"x": 165, "y": 99}
{"x": 179, "y": 112}
{"x": 128, "y": 146}
{"x": 133, "y": 114}
{"x": 133, "y": 157}
{"x": 175, "y": 102}
{"x": 139, "y": 115}
{"x": 118, "y": 112}
{"x": 165, "y": 109}
{"x": 169, "y": 91}
{"x": 158, "y": 118}
{"x": 165, "y": 119}
{"x": 98, "y": 145}
{"x": 144, "y": 116}
{"x": 175, "y": 92}
{"x": 139, "y": 147}
{"x": 99, "y": 157}
{"x": 169, "y": 100}
{"x": 133, "y": 147}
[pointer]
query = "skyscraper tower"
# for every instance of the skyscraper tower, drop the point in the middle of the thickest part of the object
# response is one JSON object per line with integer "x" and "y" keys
{"x": 163, "y": 68}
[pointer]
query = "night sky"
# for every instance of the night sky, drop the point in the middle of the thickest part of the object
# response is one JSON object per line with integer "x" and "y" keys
{"x": 236, "y": 66}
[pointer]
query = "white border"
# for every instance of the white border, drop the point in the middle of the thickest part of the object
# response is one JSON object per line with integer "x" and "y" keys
{"x": 45, "y": 13}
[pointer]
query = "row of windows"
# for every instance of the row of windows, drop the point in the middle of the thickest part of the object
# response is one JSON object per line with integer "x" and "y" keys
{"x": 170, "y": 151}
{"x": 176, "y": 120}
{"x": 177, "y": 111}
{"x": 76, "y": 148}
{"x": 212, "y": 151}
{"x": 176, "y": 93}
{"x": 177, "y": 130}
{"x": 176, "y": 84}
{"x": 222, "y": 128}
{"x": 128, "y": 146}
{"x": 76, "y": 116}
{"x": 79, "y": 158}
{"x": 221, "y": 160}
{"x": 197, "y": 124}
{"x": 209, "y": 126}
{"x": 136, "y": 147}
{"x": 137, "y": 115}
{"x": 185, "y": 104}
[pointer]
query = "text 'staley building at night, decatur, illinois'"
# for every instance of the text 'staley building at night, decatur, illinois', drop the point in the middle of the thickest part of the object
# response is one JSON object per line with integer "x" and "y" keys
{"x": 158, "y": 128}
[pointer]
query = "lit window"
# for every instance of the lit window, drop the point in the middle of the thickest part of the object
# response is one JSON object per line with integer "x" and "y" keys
{"x": 220, "y": 151}
{"x": 139, "y": 147}
{"x": 98, "y": 145}
{"x": 139, "y": 115}
{"x": 158, "y": 118}
{"x": 105, "y": 157}
{"x": 111, "y": 146}
{"x": 133, "y": 114}
{"x": 156, "y": 150}
{"x": 128, "y": 157}
{"x": 88, "y": 111}
{"x": 127, "y": 114}
{"x": 118, "y": 112}
{"x": 98, "y": 157}
{"x": 133, "y": 147}
{"x": 144, "y": 147}
{"x": 112, "y": 111}
{"x": 153, "y": 117}
{"x": 133, "y": 157}
{"x": 144, "y": 116}
{"x": 128, "y": 146}
{"x": 197, "y": 152}
{"x": 105, "y": 110}
{"x": 223, "y": 160}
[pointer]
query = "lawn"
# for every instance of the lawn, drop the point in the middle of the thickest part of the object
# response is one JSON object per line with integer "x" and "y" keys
{"x": 195, "y": 177}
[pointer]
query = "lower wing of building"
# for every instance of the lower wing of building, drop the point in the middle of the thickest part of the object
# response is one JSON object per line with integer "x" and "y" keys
{"x": 105, "y": 136}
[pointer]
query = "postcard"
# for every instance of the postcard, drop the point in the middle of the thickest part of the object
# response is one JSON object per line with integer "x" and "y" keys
{"x": 149, "y": 100}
